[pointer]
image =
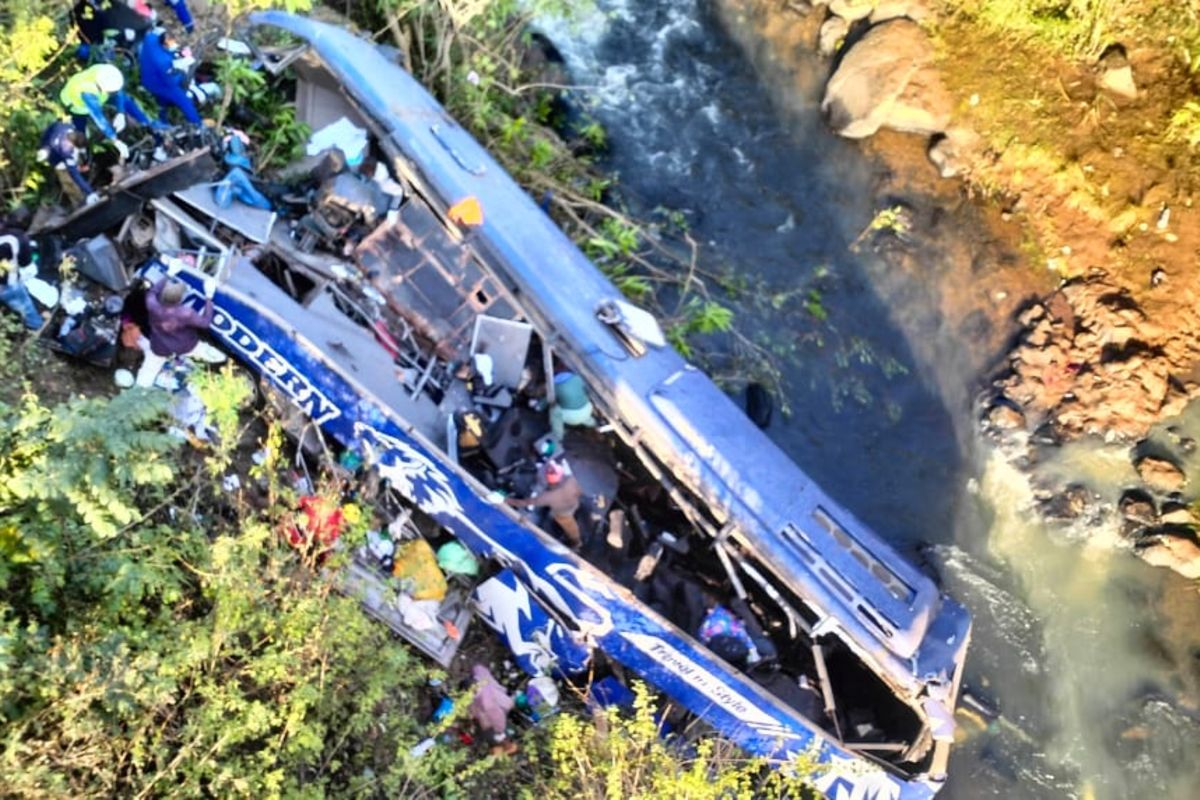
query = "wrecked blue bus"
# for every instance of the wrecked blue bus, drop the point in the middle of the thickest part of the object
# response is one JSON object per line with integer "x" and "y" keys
{"x": 440, "y": 344}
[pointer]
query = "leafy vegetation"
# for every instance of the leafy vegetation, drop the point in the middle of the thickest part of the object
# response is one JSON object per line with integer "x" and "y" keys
{"x": 30, "y": 39}
{"x": 158, "y": 636}
{"x": 1075, "y": 27}
{"x": 614, "y": 755}
{"x": 160, "y": 639}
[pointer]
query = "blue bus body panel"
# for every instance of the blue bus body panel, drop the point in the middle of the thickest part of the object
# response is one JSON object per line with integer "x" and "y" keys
{"x": 708, "y": 444}
{"x": 901, "y": 624}
{"x": 603, "y": 613}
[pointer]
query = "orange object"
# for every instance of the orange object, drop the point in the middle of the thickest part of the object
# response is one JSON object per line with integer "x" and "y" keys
{"x": 467, "y": 212}
{"x": 451, "y": 630}
{"x": 130, "y": 333}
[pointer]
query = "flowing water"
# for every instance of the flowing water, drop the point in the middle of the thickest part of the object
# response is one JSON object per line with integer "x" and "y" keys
{"x": 1090, "y": 655}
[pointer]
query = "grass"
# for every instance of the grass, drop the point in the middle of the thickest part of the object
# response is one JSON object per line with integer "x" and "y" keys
{"x": 1061, "y": 153}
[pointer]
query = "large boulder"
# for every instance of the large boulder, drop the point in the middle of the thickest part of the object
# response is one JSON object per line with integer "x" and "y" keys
{"x": 887, "y": 80}
{"x": 1180, "y": 553}
{"x": 1160, "y": 474}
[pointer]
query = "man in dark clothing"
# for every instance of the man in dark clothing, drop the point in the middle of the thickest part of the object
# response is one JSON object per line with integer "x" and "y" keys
{"x": 100, "y": 22}
{"x": 16, "y": 251}
{"x": 562, "y": 496}
{"x": 60, "y": 148}
{"x": 175, "y": 328}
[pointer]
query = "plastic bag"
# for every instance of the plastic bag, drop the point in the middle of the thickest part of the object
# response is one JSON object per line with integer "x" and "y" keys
{"x": 415, "y": 562}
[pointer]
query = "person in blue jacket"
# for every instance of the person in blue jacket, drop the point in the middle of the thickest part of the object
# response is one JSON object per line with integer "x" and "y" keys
{"x": 161, "y": 77}
{"x": 180, "y": 7}
{"x": 60, "y": 147}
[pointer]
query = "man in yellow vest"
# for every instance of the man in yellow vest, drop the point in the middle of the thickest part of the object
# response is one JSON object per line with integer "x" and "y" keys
{"x": 85, "y": 95}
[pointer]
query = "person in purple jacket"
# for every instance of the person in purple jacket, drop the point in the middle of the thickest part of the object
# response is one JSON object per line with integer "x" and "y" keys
{"x": 175, "y": 328}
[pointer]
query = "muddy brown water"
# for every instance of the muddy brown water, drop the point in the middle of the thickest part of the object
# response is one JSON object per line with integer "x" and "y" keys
{"x": 1089, "y": 655}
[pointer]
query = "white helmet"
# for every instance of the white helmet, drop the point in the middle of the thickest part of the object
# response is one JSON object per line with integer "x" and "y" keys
{"x": 109, "y": 78}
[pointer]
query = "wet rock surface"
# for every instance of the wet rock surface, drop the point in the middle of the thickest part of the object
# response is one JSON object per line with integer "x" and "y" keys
{"x": 1138, "y": 510}
{"x": 1178, "y": 551}
{"x": 1160, "y": 474}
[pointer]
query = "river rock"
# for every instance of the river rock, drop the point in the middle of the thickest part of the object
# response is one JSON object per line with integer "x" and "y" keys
{"x": 1180, "y": 553}
{"x": 887, "y": 79}
{"x": 954, "y": 151}
{"x": 916, "y": 10}
{"x": 1160, "y": 474}
{"x": 833, "y": 33}
{"x": 1004, "y": 417}
{"x": 1177, "y": 514}
{"x": 1071, "y": 503}
{"x": 1116, "y": 75}
{"x": 1138, "y": 508}
{"x": 851, "y": 10}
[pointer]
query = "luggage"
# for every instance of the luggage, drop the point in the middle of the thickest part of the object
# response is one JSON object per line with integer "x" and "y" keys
{"x": 414, "y": 563}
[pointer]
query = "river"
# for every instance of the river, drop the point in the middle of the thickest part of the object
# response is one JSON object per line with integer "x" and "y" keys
{"x": 1090, "y": 655}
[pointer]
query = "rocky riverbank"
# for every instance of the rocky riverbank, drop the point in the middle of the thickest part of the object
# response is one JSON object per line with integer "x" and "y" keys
{"x": 1063, "y": 267}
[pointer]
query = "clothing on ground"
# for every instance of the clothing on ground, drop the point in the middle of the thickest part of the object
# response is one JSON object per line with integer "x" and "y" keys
{"x": 491, "y": 703}
{"x": 153, "y": 364}
{"x": 721, "y": 623}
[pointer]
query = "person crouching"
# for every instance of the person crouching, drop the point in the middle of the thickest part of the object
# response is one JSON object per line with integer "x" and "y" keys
{"x": 175, "y": 328}
{"x": 562, "y": 496}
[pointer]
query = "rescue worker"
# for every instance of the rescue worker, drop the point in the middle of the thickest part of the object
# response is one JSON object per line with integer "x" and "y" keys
{"x": 60, "y": 148}
{"x": 105, "y": 23}
{"x": 238, "y": 183}
{"x": 175, "y": 328}
{"x": 489, "y": 708}
{"x": 85, "y": 94}
{"x": 562, "y": 496}
{"x": 16, "y": 253}
{"x": 571, "y": 406}
{"x": 164, "y": 75}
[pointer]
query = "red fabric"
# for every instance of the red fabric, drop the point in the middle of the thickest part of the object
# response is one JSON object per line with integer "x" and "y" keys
{"x": 322, "y": 524}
